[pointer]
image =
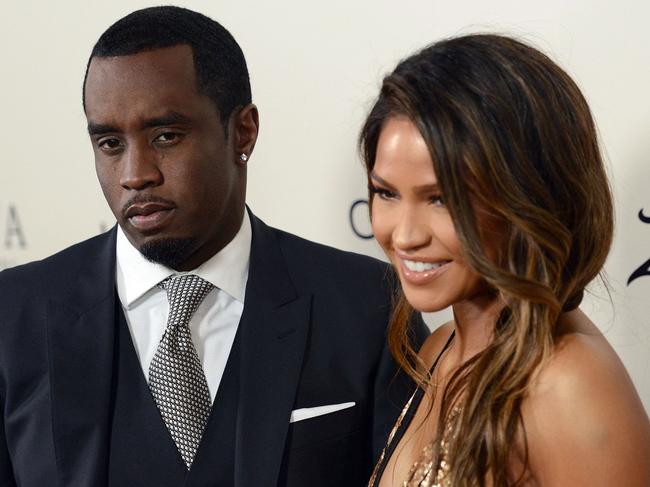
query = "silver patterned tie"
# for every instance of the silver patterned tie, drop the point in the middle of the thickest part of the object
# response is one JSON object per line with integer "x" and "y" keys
{"x": 176, "y": 377}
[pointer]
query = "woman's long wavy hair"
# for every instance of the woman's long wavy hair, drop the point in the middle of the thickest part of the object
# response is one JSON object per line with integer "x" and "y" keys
{"x": 510, "y": 133}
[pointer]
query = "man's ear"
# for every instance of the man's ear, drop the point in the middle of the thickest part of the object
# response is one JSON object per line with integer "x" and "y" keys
{"x": 245, "y": 127}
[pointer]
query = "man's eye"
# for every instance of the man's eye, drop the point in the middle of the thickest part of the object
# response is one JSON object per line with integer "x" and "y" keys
{"x": 109, "y": 144}
{"x": 168, "y": 137}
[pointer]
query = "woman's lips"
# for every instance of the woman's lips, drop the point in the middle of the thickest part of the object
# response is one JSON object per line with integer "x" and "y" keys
{"x": 421, "y": 272}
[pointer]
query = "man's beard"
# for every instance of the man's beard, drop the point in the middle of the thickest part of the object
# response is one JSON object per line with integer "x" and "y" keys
{"x": 170, "y": 252}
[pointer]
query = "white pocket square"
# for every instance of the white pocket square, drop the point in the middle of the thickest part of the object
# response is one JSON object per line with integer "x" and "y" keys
{"x": 306, "y": 413}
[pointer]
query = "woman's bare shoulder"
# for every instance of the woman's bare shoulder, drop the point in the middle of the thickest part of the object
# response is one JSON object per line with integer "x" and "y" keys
{"x": 435, "y": 342}
{"x": 584, "y": 421}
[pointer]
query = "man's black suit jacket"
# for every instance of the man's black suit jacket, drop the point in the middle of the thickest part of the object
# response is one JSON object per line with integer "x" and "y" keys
{"x": 312, "y": 334}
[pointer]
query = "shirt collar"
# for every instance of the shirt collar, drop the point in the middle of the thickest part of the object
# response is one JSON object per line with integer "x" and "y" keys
{"x": 226, "y": 270}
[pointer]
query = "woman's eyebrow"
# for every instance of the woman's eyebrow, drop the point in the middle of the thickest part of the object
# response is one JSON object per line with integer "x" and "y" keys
{"x": 421, "y": 189}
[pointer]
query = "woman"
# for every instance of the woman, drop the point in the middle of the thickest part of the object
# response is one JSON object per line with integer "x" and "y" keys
{"x": 488, "y": 193}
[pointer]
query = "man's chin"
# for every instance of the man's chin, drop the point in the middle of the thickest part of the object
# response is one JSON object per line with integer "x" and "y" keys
{"x": 170, "y": 252}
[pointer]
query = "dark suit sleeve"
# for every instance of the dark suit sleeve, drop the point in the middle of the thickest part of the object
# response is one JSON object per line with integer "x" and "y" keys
{"x": 6, "y": 472}
{"x": 393, "y": 388}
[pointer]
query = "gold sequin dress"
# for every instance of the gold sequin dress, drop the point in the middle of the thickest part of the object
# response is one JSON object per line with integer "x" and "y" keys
{"x": 423, "y": 473}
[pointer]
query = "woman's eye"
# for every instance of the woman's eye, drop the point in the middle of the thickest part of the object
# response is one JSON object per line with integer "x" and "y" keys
{"x": 437, "y": 201}
{"x": 382, "y": 193}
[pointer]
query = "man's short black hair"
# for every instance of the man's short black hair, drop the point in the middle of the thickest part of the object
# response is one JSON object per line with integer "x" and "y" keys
{"x": 219, "y": 62}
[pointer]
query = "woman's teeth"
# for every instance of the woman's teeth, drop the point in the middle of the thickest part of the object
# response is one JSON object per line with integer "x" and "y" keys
{"x": 416, "y": 266}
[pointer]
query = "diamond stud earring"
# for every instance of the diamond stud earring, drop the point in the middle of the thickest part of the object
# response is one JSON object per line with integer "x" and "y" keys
{"x": 243, "y": 158}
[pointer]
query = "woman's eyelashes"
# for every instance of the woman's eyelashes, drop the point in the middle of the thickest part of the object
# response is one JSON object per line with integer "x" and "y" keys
{"x": 436, "y": 200}
{"x": 381, "y": 193}
{"x": 386, "y": 194}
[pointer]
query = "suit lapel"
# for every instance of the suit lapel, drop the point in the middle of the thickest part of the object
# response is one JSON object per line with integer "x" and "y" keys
{"x": 81, "y": 342}
{"x": 81, "y": 335}
{"x": 274, "y": 329}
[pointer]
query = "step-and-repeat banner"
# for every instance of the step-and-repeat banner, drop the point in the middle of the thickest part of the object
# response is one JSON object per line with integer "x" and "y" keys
{"x": 315, "y": 68}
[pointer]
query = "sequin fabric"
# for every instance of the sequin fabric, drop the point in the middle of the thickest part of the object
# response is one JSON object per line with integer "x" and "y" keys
{"x": 423, "y": 473}
{"x": 373, "y": 479}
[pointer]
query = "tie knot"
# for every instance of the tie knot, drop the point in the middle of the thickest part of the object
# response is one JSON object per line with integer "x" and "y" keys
{"x": 184, "y": 294}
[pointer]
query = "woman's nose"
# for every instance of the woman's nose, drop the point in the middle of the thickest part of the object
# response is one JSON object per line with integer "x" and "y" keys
{"x": 412, "y": 231}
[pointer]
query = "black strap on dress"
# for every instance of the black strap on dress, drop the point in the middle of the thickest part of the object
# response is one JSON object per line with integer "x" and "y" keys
{"x": 408, "y": 417}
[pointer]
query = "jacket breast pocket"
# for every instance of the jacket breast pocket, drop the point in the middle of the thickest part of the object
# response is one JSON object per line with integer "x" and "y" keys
{"x": 325, "y": 427}
{"x": 327, "y": 450}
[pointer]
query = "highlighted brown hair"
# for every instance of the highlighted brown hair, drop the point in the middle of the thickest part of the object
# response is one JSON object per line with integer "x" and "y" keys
{"x": 509, "y": 132}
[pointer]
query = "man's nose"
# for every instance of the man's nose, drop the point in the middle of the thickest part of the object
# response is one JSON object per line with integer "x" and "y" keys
{"x": 140, "y": 168}
{"x": 412, "y": 231}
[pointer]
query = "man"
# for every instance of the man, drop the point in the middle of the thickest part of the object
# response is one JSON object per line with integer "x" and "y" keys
{"x": 191, "y": 344}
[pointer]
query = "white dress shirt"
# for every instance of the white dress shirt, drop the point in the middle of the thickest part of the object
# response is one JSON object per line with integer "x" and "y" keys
{"x": 213, "y": 325}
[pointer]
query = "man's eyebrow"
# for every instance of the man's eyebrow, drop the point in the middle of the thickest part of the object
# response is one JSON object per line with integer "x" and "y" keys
{"x": 170, "y": 118}
{"x": 100, "y": 129}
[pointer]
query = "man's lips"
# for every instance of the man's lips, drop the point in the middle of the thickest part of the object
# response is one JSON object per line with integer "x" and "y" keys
{"x": 145, "y": 209}
{"x": 148, "y": 216}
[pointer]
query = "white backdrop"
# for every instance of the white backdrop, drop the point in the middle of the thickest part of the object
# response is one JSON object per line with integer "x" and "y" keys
{"x": 315, "y": 68}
